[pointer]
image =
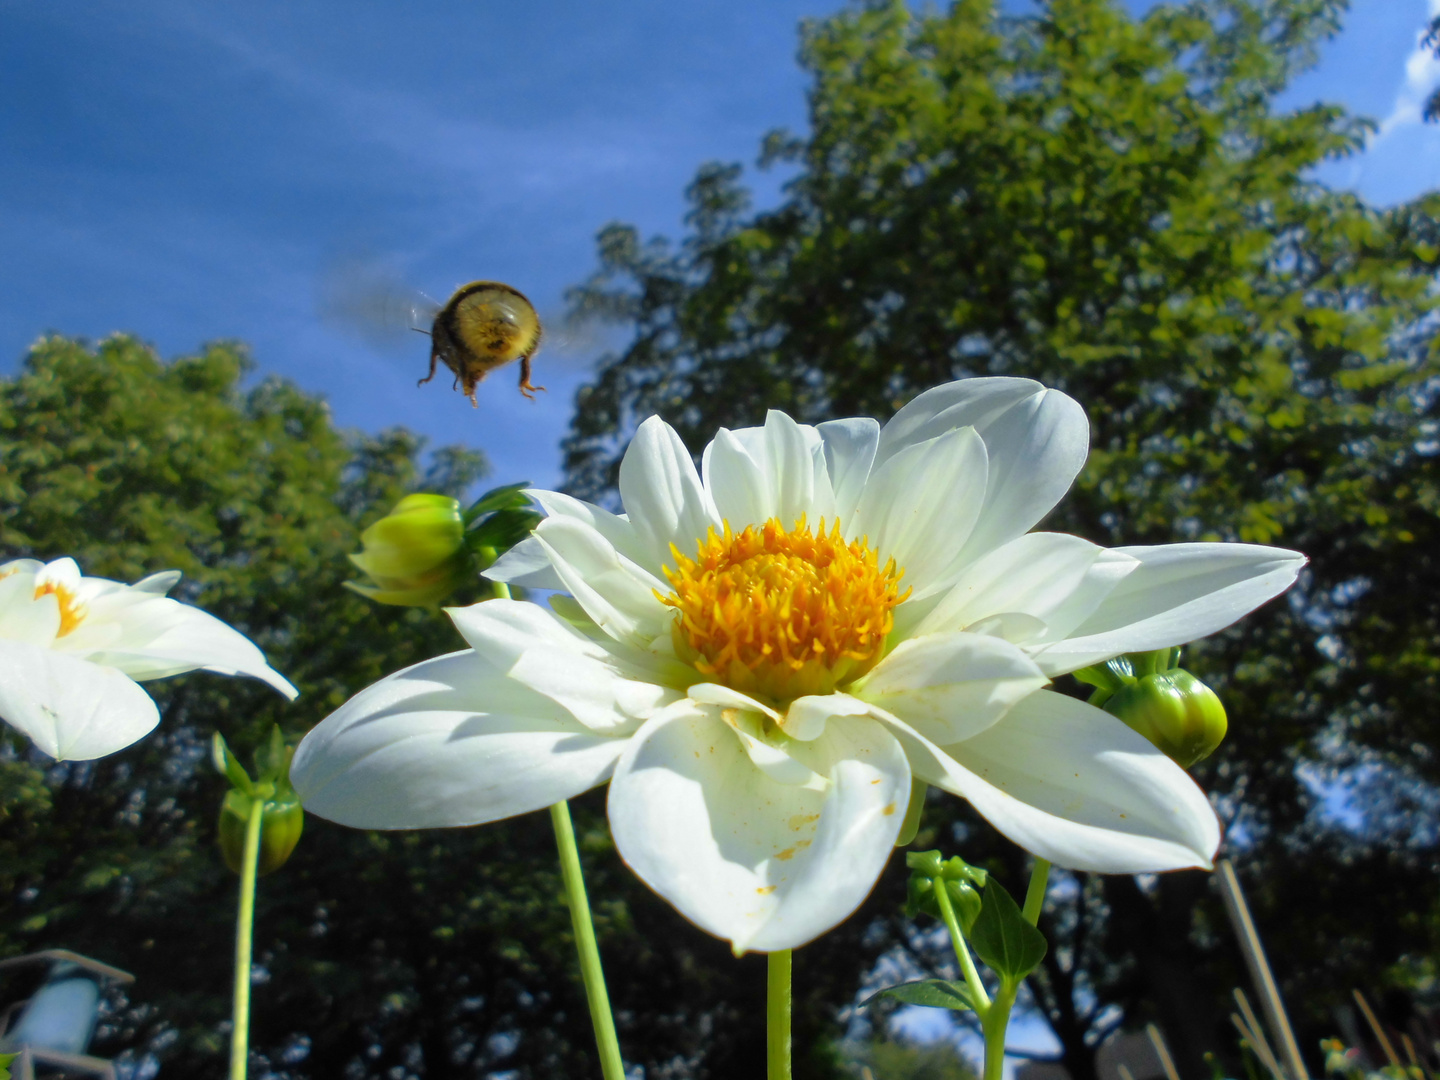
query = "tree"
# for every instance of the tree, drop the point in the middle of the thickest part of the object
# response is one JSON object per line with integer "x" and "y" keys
{"x": 1114, "y": 207}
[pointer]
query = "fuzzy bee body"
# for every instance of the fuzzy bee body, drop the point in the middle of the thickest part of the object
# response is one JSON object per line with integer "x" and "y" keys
{"x": 483, "y": 326}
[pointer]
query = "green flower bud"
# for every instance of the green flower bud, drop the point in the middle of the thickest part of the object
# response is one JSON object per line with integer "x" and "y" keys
{"x": 280, "y": 830}
{"x": 1175, "y": 711}
{"x": 282, "y": 818}
{"x": 416, "y": 554}
{"x": 959, "y": 879}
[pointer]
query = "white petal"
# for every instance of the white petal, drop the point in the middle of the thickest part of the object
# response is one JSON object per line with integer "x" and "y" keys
{"x": 849, "y": 451}
{"x": 662, "y": 493}
{"x": 615, "y": 592}
{"x": 71, "y": 709}
{"x": 920, "y": 505}
{"x": 22, "y": 616}
{"x": 450, "y": 741}
{"x": 159, "y": 637}
{"x": 807, "y": 717}
{"x": 768, "y": 866}
{"x": 755, "y": 474}
{"x": 1036, "y": 574}
{"x": 737, "y": 481}
{"x": 1036, "y": 449}
{"x": 726, "y": 698}
{"x": 158, "y": 584}
{"x": 1072, "y": 784}
{"x": 1177, "y": 593}
{"x": 951, "y": 686}
{"x": 539, "y": 650}
{"x": 1036, "y": 440}
{"x": 964, "y": 403}
{"x": 613, "y": 527}
{"x": 527, "y": 564}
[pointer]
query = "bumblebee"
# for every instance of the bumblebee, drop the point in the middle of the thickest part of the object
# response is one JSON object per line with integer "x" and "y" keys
{"x": 484, "y": 326}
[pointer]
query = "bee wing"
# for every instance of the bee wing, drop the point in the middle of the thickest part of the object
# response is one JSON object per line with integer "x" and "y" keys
{"x": 371, "y": 302}
{"x": 570, "y": 342}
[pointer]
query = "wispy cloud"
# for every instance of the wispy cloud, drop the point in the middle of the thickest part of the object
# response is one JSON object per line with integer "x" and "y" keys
{"x": 1422, "y": 76}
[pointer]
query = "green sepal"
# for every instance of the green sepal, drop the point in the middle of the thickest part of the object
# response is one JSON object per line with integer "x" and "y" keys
{"x": 959, "y": 879}
{"x": 935, "y": 993}
{"x": 229, "y": 765}
{"x": 508, "y": 497}
{"x": 5, "y": 1061}
{"x": 1008, "y": 945}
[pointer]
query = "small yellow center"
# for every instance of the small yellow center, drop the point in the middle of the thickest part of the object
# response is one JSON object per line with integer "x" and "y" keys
{"x": 782, "y": 614}
{"x": 72, "y": 608}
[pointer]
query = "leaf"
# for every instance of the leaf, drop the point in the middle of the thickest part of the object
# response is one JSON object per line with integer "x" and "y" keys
{"x": 229, "y": 765}
{"x": 935, "y": 993}
{"x": 508, "y": 497}
{"x": 1009, "y": 945}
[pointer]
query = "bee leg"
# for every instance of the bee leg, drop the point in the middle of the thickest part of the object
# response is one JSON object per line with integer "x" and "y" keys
{"x": 434, "y": 356}
{"x": 525, "y": 386}
{"x": 470, "y": 382}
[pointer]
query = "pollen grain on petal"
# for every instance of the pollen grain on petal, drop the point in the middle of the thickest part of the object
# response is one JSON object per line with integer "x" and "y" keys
{"x": 782, "y": 614}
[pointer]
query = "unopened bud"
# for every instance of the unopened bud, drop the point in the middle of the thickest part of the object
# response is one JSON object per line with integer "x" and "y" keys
{"x": 280, "y": 830}
{"x": 416, "y": 554}
{"x": 960, "y": 880}
{"x": 1174, "y": 710}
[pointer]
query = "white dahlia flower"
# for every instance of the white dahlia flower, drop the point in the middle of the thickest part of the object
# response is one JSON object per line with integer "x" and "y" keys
{"x": 73, "y": 650}
{"x": 760, "y": 656}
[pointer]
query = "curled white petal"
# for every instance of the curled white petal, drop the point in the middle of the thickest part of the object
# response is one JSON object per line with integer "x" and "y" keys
{"x": 450, "y": 741}
{"x": 1176, "y": 593}
{"x": 546, "y": 654}
{"x": 71, "y": 709}
{"x": 1070, "y": 783}
{"x": 615, "y": 592}
{"x": 768, "y": 866}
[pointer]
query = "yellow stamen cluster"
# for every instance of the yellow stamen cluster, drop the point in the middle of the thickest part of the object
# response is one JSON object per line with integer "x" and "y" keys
{"x": 72, "y": 608}
{"x": 782, "y": 614}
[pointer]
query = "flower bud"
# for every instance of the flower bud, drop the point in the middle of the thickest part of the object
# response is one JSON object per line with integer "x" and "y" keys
{"x": 416, "y": 554}
{"x": 280, "y": 830}
{"x": 1175, "y": 711}
{"x": 958, "y": 878}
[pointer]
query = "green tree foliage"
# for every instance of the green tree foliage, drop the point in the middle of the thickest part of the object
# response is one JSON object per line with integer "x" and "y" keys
{"x": 1114, "y": 206}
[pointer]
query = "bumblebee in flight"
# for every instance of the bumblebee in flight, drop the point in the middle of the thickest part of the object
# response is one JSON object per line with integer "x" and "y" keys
{"x": 484, "y": 326}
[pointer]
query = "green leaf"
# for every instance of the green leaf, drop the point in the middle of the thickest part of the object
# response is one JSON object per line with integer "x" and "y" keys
{"x": 5, "y": 1061}
{"x": 1009, "y": 945}
{"x": 229, "y": 765}
{"x": 508, "y": 497}
{"x": 503, "y": 529}
{"x": 936, "y": 993}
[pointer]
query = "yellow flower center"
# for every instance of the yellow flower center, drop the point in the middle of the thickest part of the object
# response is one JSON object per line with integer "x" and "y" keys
{"x": 782, "y": 614}
{"x": 72, "y": 609}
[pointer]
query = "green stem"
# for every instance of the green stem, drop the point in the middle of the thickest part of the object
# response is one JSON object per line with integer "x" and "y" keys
{"x": 502, "y": 590}
{"x": 994, "y": 1021}
{"x": 1035, "y": 894}
{"x": 962, "y": 951}
{"x": 777, "y": 1016}
{"x": 611, "y": 1068}
{"x": 244, "y": 928}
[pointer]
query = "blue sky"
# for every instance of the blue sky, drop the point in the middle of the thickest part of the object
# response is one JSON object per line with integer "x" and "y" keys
{"x": 194, "y": 171}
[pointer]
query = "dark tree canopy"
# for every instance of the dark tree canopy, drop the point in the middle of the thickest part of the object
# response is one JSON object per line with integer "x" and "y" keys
{"x": 1114, "y": 206}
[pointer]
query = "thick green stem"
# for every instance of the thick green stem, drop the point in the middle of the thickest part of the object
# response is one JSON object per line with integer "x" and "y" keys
{"x": 589, "y": 953}
{"x": 1035, "y": 894}
{"x": 244, "y": 926}
{"x": 777, "y": 1016}
{"x": 994, "y": 1022}
{"x": 962, "y": 951}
